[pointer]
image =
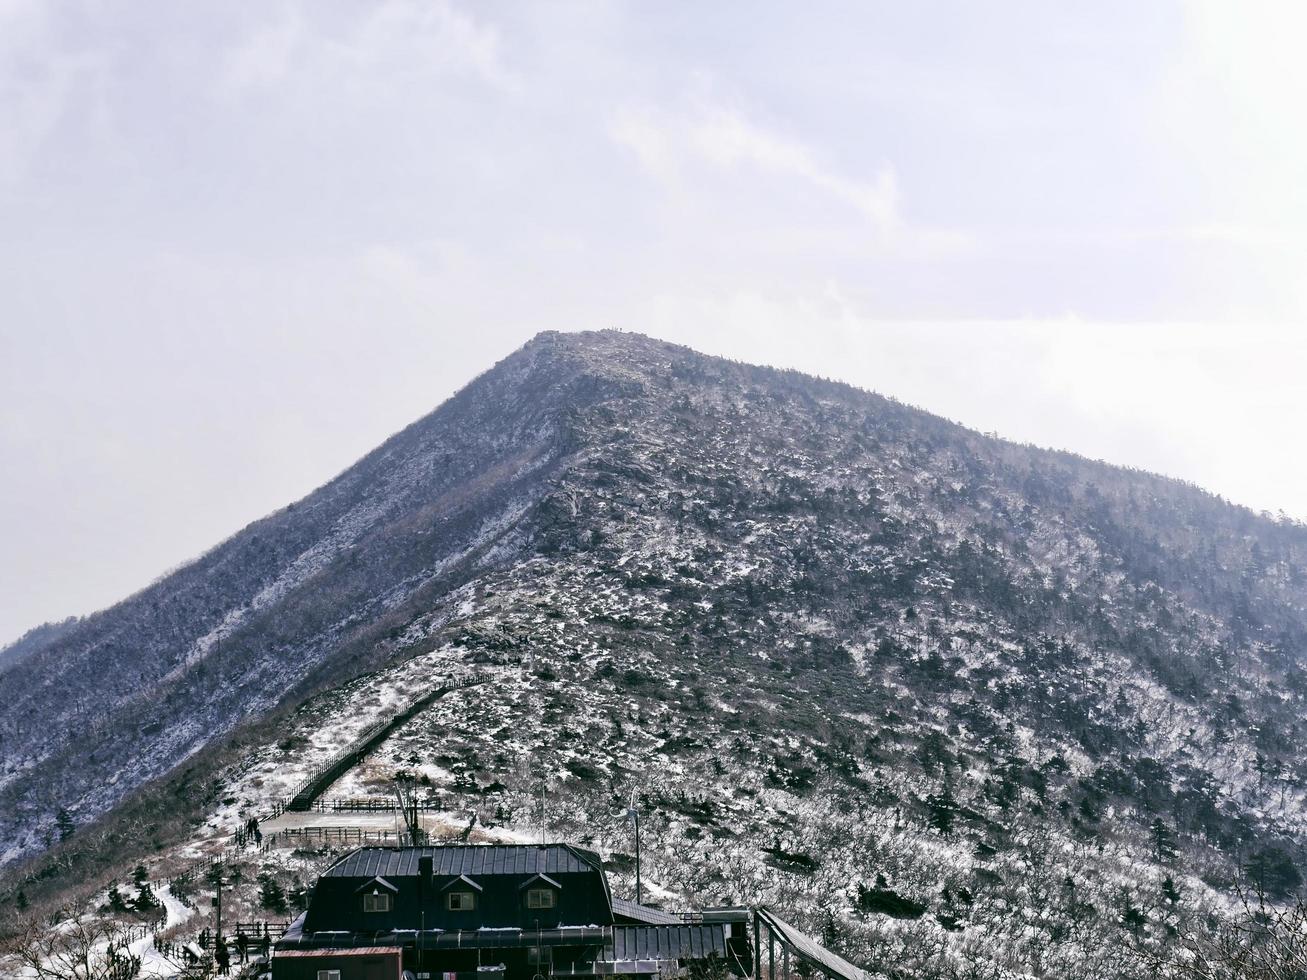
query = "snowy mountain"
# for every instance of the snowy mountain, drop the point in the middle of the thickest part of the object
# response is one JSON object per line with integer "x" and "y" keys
{"x": 948, "y": 699}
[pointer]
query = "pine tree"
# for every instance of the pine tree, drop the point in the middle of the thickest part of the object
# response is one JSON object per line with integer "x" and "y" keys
{"x": 1132, "y": 917}
{"x": 63, "y": 822}
{"x": 271, "y": 895}
{"x": 145, "y": 899}
{"x": 830, "y": 930}
{"x": 1169, "y": 891}
{"x": 942, "y": 807}
{"x": 116, "y": 901}
{"x": 1272, "y": 870}
{"x": 20, "y": 900}
{"x": 1163, "y": 841}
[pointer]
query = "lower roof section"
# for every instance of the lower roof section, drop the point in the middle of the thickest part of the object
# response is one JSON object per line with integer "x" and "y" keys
{"x": 624, "y": 909}
{"x": 602, "y": 968}
{"x": 667, "y": 942}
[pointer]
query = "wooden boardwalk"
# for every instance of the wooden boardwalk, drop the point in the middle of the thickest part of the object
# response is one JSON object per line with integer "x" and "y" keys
{"x": 318, "y": 781}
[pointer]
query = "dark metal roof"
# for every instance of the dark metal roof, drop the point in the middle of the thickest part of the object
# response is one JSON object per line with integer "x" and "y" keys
{"x": 536, "y": 879}
{"x": 465, "y": 859}
{"x": 645, "y": 914}
{"x": 807, "y": 949}
{"x": 345, "y": 951}
{"x": 462, "y": 881}
{"x": 666, "y": 942}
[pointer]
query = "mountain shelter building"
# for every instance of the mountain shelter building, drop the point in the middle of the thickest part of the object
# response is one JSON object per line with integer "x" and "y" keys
{"x": 518, "y": 912}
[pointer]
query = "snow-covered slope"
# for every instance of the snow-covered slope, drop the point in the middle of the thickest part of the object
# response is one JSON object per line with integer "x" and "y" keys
{"x": 851, "y": 657}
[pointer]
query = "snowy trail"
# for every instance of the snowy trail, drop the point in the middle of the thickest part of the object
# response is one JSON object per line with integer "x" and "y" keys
{"x": 153, "y": 963}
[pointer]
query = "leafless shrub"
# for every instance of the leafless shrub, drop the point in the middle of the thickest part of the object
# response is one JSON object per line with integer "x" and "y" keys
{"x": 83, "y": 946}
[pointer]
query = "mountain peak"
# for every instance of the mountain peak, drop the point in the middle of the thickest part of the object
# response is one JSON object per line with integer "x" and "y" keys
{"x": 840, "y": 620}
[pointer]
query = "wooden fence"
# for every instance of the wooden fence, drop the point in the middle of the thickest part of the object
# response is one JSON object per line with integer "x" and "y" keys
{"x": 300, "y": 836}
{"x": 316, "y": 783}
{"x": 261, "y": 929}
{"x": 306, "y": 798}
{"x": 373, "y": 804}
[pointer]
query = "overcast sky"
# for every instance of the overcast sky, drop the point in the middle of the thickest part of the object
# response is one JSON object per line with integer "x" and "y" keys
{"x": 242, "y": 243}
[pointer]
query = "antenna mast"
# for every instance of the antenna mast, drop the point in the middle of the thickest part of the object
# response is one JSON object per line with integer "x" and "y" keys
{"x": 408, "y": 806}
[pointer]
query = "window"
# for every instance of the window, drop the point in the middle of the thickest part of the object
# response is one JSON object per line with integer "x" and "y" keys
{"x": 461, "y": 901}
{"x": 540, "y": 898}
{"x": 328, "y": 975}
{"x": 376, "y": 903}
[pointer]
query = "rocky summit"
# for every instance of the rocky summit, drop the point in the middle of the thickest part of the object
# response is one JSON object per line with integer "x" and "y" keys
{"x": 958, "y": 706}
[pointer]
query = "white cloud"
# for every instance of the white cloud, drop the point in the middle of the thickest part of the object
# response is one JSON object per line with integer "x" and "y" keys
{"x": 396, "y": 39}
{"x": 1231, "y": 99}
{"x": 38, "y": 83}
{"x": 266, "y": 55}
{"x": 294, "y": 199}
{"x": 790, "y": 198}
{"x": 727, "y": 140}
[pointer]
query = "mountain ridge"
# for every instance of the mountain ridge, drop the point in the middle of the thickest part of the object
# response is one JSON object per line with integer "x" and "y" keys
{"x": 801, "y": 600}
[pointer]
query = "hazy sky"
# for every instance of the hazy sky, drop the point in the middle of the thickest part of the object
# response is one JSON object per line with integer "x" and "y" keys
{"x": 241, "y": 243}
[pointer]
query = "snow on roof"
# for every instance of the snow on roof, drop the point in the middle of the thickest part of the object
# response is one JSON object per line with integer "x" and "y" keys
{"x": 643, "y": 913}
{"x": 465, "y": 859}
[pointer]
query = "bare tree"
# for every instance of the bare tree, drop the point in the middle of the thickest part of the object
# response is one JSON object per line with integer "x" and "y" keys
{"x": 1264, "y": 941}
{"x": 82, "y": 947}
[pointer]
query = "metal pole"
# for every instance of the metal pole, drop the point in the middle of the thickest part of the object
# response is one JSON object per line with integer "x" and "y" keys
{"x": 637, "y": 858}
{"x": 771, "y": 954}
{"x": 785, "y": 951}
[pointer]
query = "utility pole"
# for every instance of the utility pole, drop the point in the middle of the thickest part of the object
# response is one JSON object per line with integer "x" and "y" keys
{"x": 217, "y": 901}
{"x": 542, "y": 810}
{"x": 632, "y": 813}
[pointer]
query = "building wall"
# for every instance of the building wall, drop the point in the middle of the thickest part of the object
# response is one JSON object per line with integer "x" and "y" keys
{"x": 372, "y": 966}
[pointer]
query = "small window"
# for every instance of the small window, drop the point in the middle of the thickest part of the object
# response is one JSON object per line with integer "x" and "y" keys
{"x": 461, "y": 901}
{"x": 540, "y": 898}
{"x": 328, "y": 975}
{"x": 376, "y": 903}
